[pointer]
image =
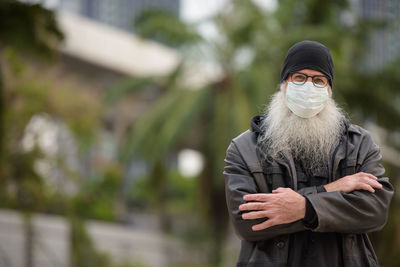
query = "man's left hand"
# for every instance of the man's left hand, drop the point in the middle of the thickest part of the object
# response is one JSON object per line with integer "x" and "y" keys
{"x": 282, "y": 206}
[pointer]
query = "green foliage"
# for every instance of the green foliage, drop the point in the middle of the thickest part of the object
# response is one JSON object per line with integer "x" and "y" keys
{"x": 164, "y": 27}
{"x": 164, "y": 124}
{"x": 83, "y": 251}
{"x": 128, "y": 86}
{"x": 97, "y": 197}
{"x": 27, "y": 191}
{"x": 130, "y": 264}
{"x": 27, "y": 96}
{"x": 28, "y": 27}
{"x": 179, "y": 192}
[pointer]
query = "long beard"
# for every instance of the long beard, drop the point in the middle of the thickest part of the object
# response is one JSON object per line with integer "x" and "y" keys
{"x": 308, "y": 140}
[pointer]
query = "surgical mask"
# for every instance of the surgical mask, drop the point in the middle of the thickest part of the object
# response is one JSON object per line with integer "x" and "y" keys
{"x": 306, "y": 100}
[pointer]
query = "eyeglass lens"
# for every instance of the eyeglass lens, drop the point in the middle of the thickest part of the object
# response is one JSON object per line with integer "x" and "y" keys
{"x": 301, "y": 78}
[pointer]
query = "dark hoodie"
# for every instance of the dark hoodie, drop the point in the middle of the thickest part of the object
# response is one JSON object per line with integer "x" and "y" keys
{"x": 256, "y": 124}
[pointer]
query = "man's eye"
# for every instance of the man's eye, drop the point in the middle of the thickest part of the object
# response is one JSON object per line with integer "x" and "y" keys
{"x": 320, "y": 81}
{"x": 299, "y": 78}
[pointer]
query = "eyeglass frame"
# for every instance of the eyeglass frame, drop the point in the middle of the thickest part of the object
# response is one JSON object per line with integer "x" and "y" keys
{"x": 312, "y": 79}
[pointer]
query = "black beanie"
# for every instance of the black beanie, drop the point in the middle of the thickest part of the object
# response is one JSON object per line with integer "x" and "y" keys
{"x": 308, "y": 55}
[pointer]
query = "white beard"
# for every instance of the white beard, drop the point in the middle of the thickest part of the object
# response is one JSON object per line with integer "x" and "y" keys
{"x": 308, "y": 140}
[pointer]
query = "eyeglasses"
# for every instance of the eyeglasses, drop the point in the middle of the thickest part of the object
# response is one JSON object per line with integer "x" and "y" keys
{"x": 299, "y": 78}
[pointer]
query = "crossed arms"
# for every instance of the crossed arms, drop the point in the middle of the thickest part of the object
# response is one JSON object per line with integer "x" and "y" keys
{"x": 353, "y": 204}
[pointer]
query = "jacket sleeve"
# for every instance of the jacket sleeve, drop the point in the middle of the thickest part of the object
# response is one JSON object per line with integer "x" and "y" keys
{"x": 239, "y": 182}
{"x": 359, "y": 211}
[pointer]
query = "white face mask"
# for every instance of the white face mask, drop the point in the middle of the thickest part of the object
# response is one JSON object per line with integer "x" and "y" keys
{"x": 306, "y": 100}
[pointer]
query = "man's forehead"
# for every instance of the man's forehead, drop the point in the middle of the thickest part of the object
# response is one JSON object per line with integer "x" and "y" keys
{"x": 310, "y": 72}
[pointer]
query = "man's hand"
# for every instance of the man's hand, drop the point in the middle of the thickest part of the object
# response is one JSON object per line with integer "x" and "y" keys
{"x": 358, "y": 181}
{"x": 282, "y": 206}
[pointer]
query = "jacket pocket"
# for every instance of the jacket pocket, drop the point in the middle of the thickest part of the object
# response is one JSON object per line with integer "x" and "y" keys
{"x": 348, "y": 167}
{"x": 358, "y": 251}
{"x": 276, "y": 177}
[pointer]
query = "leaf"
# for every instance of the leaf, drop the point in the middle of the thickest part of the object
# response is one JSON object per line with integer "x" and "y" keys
{"x": 164, "y": 27}
{"x": 29, "y": 27}
{"x": 156, "y": 132}
{"x": 129, "y": 87}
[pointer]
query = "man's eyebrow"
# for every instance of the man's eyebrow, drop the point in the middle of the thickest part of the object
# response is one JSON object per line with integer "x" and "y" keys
{"x": 323, "y": 75}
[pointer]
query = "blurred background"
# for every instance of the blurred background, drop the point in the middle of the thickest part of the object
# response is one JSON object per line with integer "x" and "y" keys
{"x": 115, "y": 117}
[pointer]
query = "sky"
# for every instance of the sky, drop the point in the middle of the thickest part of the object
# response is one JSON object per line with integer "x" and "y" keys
{"x": 195, "y": 10}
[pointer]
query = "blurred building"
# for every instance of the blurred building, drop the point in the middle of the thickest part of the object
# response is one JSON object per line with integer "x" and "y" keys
{"x": 384, "y": 44}
{"x": 100, "y": 50}
{"x": 117, "y": 13}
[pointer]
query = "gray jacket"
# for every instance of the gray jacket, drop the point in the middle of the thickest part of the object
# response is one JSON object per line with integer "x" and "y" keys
{"x": 351, "y": 214}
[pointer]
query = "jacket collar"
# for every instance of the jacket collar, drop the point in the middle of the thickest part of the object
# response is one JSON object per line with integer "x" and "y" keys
{"x": 339, "y": 151}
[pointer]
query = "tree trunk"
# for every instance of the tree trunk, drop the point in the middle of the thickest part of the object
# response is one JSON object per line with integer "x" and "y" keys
{"x": 159, "y": 181}
{"x": 215, "y": 211}
{"x": 29, "y": 240}
{"x": 2, "y": 115}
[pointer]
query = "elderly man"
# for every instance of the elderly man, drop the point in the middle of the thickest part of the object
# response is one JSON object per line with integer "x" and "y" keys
{"x": 304, "y": 186}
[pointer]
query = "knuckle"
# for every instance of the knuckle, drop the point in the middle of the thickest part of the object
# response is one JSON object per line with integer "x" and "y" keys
{"x": 248, "y": 217}
{"x": 371, "y": 189}
{"x": 269, "y": 222}
{"x": 252, "y": 206}
{"x": 363, "y": 186}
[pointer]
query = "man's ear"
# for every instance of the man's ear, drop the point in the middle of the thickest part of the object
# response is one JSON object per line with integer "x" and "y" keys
{"x": 283, "y": 86}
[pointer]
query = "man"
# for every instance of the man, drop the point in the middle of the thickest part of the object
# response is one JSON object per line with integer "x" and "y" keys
{"x": 304, "y": 186}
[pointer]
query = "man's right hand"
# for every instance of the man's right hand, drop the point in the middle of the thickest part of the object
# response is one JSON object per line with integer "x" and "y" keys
{"x": 358, "y": 181}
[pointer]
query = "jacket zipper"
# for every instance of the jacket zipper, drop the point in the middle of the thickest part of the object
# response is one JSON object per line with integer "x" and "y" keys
{"x": 291, "y": 169}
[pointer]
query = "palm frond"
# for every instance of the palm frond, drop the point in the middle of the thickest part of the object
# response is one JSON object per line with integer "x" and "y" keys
{"x": 155, "y": 133}
{"x": 129, "y": 87}
{"x": 165, "y": 27}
